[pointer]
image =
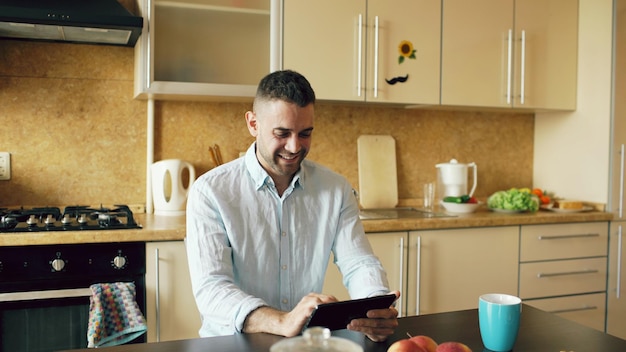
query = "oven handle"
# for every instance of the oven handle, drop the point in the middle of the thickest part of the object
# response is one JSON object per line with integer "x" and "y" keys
{"x": 35, "y": 295}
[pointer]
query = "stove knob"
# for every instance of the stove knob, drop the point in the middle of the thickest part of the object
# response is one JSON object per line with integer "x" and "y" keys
{"x": 119, "y": 262}
{"x": 57, "y": 264}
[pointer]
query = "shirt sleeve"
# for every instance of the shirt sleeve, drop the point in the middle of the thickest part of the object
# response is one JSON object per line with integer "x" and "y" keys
{"x": 221, "y": 303}
{"x": 363, "y": 273}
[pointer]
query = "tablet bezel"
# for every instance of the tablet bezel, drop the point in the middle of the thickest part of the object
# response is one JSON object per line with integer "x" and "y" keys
{"x": 337, "y": 315}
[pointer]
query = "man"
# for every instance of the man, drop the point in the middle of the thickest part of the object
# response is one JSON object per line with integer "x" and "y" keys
{"x": 260, "y": 229}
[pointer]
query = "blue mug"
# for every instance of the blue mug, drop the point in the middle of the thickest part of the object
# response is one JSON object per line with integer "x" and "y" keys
{"x": 499, "y": 317}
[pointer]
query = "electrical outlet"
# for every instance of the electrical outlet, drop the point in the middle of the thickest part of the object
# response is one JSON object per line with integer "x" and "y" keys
{"x": 5, "y": 166}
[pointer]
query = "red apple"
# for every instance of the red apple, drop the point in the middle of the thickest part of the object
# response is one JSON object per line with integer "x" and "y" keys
{"x": 452, "y": 346}
{"x": 425, "y": 342}
{"x": 405, "y": 345}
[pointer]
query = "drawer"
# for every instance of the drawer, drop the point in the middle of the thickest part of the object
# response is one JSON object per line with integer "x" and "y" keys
{"x": 562, "y": 277}
{"x": 588, "y": 310}
{"x": 563, "y": 241}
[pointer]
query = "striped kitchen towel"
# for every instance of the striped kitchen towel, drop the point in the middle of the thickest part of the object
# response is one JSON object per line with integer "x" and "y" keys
{"x": 114, "y": 315}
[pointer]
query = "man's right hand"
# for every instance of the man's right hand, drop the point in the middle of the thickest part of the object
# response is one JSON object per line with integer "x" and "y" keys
{"x": 288, "y": 324}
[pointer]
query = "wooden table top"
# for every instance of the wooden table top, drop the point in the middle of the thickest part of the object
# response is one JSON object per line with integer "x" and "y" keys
{"x": 539, "y": 331}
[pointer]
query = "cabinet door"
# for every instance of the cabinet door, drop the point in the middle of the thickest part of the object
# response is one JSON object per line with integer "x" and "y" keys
{"x": 417, "y": 24}
{"x": 390, "y": 247}
{"x": 348, "y": 49}
{"x": 505, "y": 53}
{"x": 477, "y": 49}
{"x": 175, "y": 315}
{"x": 449, "y": 269}
{"x": 325, "y": 41}
{"x": 210, "y": 48}
{"x": 616, "y": 301}
{"x": 546, "y": 45}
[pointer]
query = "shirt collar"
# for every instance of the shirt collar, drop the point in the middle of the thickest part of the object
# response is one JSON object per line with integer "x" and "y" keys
{"x": 260, "y": 176}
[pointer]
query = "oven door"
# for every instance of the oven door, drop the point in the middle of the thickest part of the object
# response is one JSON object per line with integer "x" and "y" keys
{"x": 44, "y": 320}
{"x": 49, "y": 320}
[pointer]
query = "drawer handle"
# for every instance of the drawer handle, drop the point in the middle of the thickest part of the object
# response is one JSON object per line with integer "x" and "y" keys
{"x": 582, "y": 235}
{"x": 587, "y": 271}
{"x": 573, "y": 309}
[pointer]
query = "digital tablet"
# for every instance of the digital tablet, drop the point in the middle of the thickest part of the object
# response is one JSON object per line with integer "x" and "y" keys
{"x": 337, "y": 315}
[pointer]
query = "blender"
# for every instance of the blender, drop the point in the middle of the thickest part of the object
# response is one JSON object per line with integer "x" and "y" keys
{"x": 452, "y": 179}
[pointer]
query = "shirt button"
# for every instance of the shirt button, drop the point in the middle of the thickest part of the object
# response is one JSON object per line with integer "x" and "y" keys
{"x": 285, "y": 301}
{"x": 284, "y": 267}
{"x": 284, "y": 234}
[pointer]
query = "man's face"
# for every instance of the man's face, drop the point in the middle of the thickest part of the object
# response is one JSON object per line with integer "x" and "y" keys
{"x": 283, "y": 135}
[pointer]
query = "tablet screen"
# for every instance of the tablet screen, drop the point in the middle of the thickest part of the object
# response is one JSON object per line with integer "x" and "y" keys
{"x": 337, "y": 315}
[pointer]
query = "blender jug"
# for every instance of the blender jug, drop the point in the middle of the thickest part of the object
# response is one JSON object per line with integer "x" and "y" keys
{"x": 452, "y": 179}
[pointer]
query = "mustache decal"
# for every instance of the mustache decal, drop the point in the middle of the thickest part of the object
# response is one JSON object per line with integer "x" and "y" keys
{"x": 397, "y": 79}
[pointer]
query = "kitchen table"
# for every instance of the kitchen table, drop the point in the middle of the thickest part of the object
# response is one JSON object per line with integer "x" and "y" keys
{"x": 539, "y": 331}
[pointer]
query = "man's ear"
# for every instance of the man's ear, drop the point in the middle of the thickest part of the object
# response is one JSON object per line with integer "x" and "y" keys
{"x": 251, "y": 123}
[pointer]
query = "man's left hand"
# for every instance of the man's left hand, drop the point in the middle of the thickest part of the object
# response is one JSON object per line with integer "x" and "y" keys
{"x": 379, "y": 324}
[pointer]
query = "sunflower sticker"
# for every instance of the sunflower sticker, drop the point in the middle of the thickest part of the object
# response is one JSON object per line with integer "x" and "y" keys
{"x": 406, "y": 51}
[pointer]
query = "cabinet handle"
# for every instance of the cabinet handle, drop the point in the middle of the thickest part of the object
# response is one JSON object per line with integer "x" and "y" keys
{"x": 376, "y": 57}
{"x": 586, "y": 271}
{"x": 418, "y": 278}
{"x": 157, "y": 305}
{"x": 582, "y": 235}
{"x": 621, "y": 183}
{"x": 509, "y": 66}
{"x": 401, "y": 278}
{"x": 360, "y": 56}
{"x": 619, "y": 261}
{"x": 568, "y": 310}
{"x": 523, "y": 68}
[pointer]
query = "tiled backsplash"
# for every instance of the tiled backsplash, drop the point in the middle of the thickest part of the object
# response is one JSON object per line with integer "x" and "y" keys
{"x": 76, "y": 136}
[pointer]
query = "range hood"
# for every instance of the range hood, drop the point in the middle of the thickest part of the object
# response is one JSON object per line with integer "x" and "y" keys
{"x": 77, "y": 21}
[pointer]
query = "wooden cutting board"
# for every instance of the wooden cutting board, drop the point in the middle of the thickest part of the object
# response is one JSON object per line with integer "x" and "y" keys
{"x": 378, "y": 179}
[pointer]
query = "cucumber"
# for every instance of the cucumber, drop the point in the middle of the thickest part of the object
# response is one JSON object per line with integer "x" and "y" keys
{"x": 453, "y": 200}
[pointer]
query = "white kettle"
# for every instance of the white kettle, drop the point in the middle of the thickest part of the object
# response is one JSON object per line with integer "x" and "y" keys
{"x": 170, "y": 187}
{"x": 452, "y": 179}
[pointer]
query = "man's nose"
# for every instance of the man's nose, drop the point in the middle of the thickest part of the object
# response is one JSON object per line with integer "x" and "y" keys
{"x": 293, "y": 144}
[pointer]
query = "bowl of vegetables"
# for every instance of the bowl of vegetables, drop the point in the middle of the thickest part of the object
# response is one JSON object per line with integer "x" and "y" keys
{"x": 513, "y": 200}
{"x": 460, "y": 205}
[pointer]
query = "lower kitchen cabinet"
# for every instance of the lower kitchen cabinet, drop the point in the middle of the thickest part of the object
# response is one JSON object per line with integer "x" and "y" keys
{"x": 171, "y": 309}
{"x": 563, "y": 268}
{"x": 616, "y": 295}
{"x": 391, "y": 249}
{"x": 449, "y": 269}
{"x": 584, "y": 309}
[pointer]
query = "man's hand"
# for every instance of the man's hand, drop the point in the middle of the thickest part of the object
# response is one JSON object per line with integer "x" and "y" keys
{"x": 379, "y": 324}
{"x": 273, "y": 321}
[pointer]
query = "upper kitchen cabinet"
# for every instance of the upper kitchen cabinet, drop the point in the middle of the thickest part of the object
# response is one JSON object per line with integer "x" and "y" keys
{"x": 366, "y": 50}
{"x": 510, "y": 53}
{"x": 204, "y": 49}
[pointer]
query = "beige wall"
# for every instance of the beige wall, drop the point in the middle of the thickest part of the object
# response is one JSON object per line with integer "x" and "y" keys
{"x": 76, "y": 136}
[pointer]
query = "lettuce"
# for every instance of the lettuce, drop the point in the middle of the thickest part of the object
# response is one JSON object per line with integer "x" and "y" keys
{"x": 513, "y": 199}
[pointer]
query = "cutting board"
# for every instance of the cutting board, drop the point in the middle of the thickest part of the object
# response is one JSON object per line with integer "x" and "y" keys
{"x": 378, "y": 179}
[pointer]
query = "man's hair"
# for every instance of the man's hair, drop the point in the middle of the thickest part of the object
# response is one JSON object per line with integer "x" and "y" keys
{"x": 288, "y": 86}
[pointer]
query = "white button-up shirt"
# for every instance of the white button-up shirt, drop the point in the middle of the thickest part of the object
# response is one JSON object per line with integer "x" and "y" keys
{"x": 247, "y": 247}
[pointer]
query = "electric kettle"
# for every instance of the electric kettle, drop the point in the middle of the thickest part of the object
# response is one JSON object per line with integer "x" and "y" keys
{"x": 452, "y": 179}
{"x": 171, "y": 179}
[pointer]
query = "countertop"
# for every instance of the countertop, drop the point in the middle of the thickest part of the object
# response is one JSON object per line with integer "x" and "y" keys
{"x": 539, "y": 331}
{"x": 171, "y": 228}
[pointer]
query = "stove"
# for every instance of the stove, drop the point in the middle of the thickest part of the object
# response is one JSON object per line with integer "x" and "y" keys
{"x": 72, "y": 218}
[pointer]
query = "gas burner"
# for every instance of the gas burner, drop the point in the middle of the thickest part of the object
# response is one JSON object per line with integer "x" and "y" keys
{"x": 73, "y": 218}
